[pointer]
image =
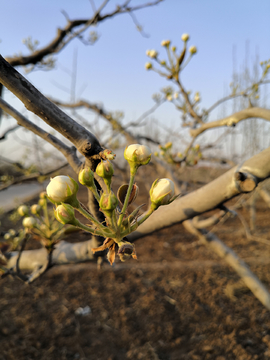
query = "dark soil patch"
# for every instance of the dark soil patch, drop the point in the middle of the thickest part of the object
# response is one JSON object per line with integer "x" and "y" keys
{"x": 178, "y": 301}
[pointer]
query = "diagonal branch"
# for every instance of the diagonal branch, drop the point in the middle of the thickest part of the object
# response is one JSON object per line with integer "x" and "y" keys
{"x": 68, "y": 152}
{"x": 86, "y": 143}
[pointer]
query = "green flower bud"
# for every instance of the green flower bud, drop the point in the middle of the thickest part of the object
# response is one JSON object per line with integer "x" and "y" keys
{"x": 109, "y": 154}
{"x": 86, "y": 177}
{"x": 108, "y": 202}
{"x": 64, "y": 213}
{"x": 23, "y": 210}
{"x": 105, "y": 171}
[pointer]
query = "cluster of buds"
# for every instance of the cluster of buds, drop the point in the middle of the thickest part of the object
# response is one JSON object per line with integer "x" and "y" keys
{"x": 11, "y": 240}
{"x": 175, "y": 61}
{"x": 40, "y": 222}
{"x": 62, "y": 191}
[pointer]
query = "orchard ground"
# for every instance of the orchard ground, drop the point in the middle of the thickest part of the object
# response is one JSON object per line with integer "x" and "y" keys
{"x": 177, "y": 301}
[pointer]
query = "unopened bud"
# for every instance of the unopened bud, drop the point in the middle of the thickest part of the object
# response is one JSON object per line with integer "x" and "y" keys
{"x": 185, "y": 37}
{"x": 165, "y": 43}
{"x": 148, "y": 66}
{"x": 193, "y": 50}
{"x": 63, "y": 189}
{"x": 29, "y": 222}
{"x": 23, "y": 210}
{"x": 35, "y": 209}
{"x": 64, "y": 213}
{"x": 86, "y": 177}
{"x": 162, "y": 192}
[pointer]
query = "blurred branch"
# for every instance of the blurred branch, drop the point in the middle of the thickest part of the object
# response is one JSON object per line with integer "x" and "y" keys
{"x": 65, "y": 35}
{"x": 68, "y": 152}
{"x": 232, "y": 120}
{"x": 241, "y": 268}
{"x": 32, "y": 177}
{"x": 9, "y": 131}
{"x": 86, "y": 143}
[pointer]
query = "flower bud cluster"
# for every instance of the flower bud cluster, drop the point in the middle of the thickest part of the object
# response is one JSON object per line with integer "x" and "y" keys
{"x": 62, "y": 191}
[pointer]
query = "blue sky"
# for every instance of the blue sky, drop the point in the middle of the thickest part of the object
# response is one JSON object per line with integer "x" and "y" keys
{"x": 112, "y": 71}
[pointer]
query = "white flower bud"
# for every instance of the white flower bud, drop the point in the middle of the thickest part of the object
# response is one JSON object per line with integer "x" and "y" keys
{"x": 162, "y": 192}
{"x": 193, "y": 50}
{"x": 185, "y": 37}
{"x": 7, "y": 236}
{"x": 165, "y": 42}
{"x": 29, "y": 222}
{"x": 152, "y": 54}
{"x": 138, "y": 153}
{"x": 62, "y": 189}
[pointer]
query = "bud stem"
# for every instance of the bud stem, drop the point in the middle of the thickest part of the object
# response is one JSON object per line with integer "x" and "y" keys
{"x": 88, "y": 216}
{"x": 92, "y": 231}
{"x": 130, "y": 187}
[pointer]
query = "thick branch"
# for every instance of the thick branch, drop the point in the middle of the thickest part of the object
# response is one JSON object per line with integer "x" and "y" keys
{"x": 209, "y": 196}
{"x": 232, "y": 120}
{"x": 64, "y": 253}
{"x": 68, "y": 152}
{"x": 86, "y": 143}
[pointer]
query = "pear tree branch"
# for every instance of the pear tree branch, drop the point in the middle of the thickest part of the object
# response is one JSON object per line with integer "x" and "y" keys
{"x": 232, "y": 120}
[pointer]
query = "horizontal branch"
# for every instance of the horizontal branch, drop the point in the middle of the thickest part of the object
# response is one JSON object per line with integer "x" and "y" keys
{"x": 64, "y": 253}
{"x": 32, "y": 177}
{"x": 68, "y": 152}
{"x": 235, "y": 181}
{"x": 232, "y": 120}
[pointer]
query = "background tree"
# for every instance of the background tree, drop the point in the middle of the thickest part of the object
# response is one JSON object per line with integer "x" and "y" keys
{"x": 240, "y": 179}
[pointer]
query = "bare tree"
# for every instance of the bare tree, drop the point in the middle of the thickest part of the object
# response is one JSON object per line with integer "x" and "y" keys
{"x": 240, "y": 179}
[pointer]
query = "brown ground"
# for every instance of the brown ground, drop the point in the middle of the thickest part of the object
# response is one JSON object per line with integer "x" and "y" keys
{"x": 176, "y": 302}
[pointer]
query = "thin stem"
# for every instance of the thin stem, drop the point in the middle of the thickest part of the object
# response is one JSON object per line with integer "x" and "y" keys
{"x": 88, "y": 216}
{"x": 46, "y": 214}
{"x": 93, "y": 231}
{"x": 130, "y": 186}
